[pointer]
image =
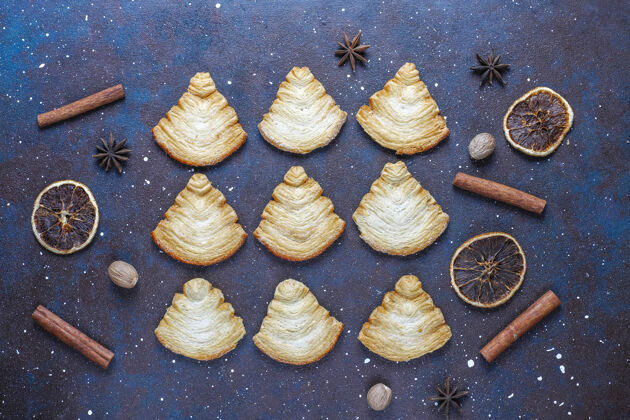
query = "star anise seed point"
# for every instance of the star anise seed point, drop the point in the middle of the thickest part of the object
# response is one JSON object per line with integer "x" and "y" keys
{"x": 112, "y": 153}
{"x": 448, "y": 396}
{"x": 351, "y": 50}
{"x": 490, "y": 68}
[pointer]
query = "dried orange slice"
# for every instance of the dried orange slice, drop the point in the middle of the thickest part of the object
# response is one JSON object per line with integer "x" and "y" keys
{"x": 65, "y": 217}
{"x": 488, "y": 269}
{"x": 537, "y": 122}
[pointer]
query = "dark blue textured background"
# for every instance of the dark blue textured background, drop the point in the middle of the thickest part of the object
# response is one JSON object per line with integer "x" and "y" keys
{"x": 573, "y": 365}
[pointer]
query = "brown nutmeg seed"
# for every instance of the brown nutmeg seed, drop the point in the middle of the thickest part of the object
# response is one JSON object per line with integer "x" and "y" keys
{"x": 379, "y": 397}
{"x": 123, "y": 274}
{"x": 481, "y": 146}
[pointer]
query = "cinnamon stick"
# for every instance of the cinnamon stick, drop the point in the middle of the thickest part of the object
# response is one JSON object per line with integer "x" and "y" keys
{"x": 530, "y": 317}
{"x": 73, "y": 337}
{"x": 86, "y": 104}
{"x": 499, "y": 192}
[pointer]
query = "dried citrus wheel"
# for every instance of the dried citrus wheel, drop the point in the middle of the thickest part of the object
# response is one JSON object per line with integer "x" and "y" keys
{"x": 488, "y": 269}
{"x": 537, "y": 122}
{"x": 65, "y": 217}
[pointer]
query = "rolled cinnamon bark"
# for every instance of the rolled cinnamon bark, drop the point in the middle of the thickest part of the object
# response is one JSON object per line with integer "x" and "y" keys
{"x": 73, "y": 337}
{"x": 86, "y": 104}
{"x": 530, "y": 317}
{"x": 499, "y": 192}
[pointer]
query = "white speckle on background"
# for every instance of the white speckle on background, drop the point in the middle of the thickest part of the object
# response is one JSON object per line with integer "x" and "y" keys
{"x": 558, "y": 356}
{"x": 436, "y": 85}
{"x": 229, "y": 82}
{"x": 471, "y": 363}
{"x": 145, "y": 159}
{"x": 585, "y": 316}
{"x": 218, "y": 5}
{"x": 89, "y": 412}
{"x": 147, "y": 181}
{"x": 367, "y": 360}
{"x": 539, "y": 378}
{"x": 86, "y": 18}
{"x": 41, "y": 65}
{"x": 511, "y": 395}
{"x": 562, "y": 369}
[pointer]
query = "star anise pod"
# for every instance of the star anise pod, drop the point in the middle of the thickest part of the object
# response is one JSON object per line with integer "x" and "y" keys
{"x": 112, "y": 153}
{"x": 351, "y": 50}
{"x": 490, "y": 68}
{"x": 448, "y": 396}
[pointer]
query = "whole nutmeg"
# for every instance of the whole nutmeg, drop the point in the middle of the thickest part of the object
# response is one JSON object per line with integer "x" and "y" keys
{"x": 123, "y": 274}
{"x": 481, "y": 146}
{"x": 379, "y": 397}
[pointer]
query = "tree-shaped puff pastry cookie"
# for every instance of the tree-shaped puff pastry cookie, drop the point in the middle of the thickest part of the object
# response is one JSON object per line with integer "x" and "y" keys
{"x": 406, "y": 325}
{"x": 398, "y": 216}
{"x": 403, "y": 116}
{"x": 297, "y": 329}
{"x": 202, "y": 129}
{"x": 200, "y": 324}
{"x": 299, "y": 223}
{"x": 303, "y": 116}
{"x": 200, "y": 228}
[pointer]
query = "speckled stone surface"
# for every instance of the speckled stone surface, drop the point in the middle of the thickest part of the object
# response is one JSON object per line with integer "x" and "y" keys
{"x": 572, "y": 365}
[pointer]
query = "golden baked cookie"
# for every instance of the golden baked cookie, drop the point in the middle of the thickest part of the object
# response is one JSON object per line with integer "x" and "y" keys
{"x": 299, "y": 224}
{"x": 303, "y": 117}
{"x": 200, "y": 324}
{"x": 403, "y": 116}
{"x": 297, "y": 329}
{"x": 202, "y": 129}
{"x": 200, "y": 228}
{"x": 406, "y": 325}
{"x": 398, "y": 216}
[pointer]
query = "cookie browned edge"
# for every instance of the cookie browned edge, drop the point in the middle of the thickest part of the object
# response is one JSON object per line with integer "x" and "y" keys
{"x": 401, "y": 254}
{"x": 190, "y": 163}
{"x": 214, "y": 261}
{"x": 313, "y": 360}
{"x": 406, "y": 150}
{"x": 333, "y": 135}
{"x": 210, "y": 357}
{"x": 414, "y": 150}
{"x": 312, "y": 254}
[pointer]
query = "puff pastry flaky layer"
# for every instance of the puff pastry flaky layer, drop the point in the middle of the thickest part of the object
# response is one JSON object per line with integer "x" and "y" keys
{"x": 303, "y": 117}
{"x": 297, "y": 329}
{"x": 202, "y": 129}
{"x": 398, "y": 216}
{"x": 200, "y": 324}
{"x": 299, "y": 223}
{"x": 403, "y": 116}
{"x": 406, "y": 325}
{"x": 200, "y": 228}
